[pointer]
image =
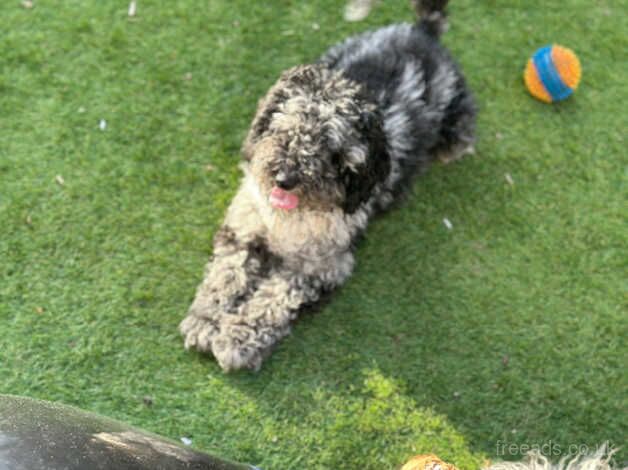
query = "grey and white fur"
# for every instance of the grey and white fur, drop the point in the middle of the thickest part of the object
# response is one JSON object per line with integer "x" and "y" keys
{"x": 598, "y": 460}
{"x": 331, "y": 144}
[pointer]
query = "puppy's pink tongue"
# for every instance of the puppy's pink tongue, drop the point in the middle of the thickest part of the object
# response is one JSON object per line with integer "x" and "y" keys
{"x": 281, "y": 199}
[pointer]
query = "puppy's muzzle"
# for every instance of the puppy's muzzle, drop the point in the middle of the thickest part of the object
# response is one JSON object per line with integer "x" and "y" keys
{"x": 287, "y": 180}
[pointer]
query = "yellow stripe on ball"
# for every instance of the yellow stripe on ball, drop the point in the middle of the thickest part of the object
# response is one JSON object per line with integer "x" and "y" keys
{"x": 568, "y": 66}
{"x": 533, "y": 83}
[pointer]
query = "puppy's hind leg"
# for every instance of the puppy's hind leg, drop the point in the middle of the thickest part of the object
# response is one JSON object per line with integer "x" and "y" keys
{"x": 457, "y": 133}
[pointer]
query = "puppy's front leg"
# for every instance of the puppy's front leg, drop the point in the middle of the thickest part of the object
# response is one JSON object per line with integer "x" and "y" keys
{"x": 227, "y": 277}
{"x": 239, "y": 261}
{"x": 246, "y": 338}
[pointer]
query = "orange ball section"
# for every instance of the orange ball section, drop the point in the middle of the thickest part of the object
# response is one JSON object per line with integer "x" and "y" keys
{"x": 427, "y": 462}
{"x": 533, "y": 82}
{"x": 567, "y": 65}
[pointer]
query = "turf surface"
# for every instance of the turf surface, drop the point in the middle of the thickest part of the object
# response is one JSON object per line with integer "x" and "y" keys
{"x": 509, "y": 328}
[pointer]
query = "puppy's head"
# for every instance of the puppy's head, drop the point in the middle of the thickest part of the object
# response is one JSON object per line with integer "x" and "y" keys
{"x": 316, "y": 142}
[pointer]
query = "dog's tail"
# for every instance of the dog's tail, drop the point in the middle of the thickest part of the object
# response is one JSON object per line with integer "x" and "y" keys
{"x": 432, "y": 17}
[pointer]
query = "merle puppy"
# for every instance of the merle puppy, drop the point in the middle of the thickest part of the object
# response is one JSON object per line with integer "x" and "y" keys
{"x": 331, "y": 144}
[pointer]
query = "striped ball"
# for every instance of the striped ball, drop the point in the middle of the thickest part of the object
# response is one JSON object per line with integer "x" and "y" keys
{"x": 553, "y": 73}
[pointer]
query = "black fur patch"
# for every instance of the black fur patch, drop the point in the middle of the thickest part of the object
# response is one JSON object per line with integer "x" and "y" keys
{"x": 268, "y": 261}
{"x": 359, "y": 184}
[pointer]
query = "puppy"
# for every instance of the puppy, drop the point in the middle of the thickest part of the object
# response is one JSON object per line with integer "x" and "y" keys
{"x": 331, "y": 144}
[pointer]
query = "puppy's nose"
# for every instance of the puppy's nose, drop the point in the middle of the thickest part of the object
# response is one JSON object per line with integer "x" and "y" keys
{"x": 286, "y": 180}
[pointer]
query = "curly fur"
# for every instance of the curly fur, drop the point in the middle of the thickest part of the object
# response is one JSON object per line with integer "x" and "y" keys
{"x": 599, "y": 460}
{"x": 346, "y": 134}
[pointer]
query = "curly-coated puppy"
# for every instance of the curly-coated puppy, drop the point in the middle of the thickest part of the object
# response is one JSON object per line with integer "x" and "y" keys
{"x": 331, "y": 143}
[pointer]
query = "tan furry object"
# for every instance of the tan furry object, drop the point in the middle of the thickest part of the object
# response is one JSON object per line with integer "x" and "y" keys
{"x": 427, "y": 462}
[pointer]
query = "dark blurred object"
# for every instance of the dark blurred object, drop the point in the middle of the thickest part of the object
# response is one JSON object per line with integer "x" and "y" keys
{"x": 39, "y": 435}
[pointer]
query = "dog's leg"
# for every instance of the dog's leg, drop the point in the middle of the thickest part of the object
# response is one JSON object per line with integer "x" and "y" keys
{"x": 238, "y": 263}
{"x": 226, "y": 280}
{"x": 246, "y": 338}
{"x": 457, "y": 134}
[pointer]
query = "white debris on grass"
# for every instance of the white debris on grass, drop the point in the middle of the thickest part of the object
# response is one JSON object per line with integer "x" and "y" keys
{"x": 316, "y": 26}
{"x": 59, "y": 179}
{"x": 28, "y": 4}
{"x": 509, "y": 179}
{"x": 448, "y": 223}
{"x": 187, "y": 441}
{"x": 357, "y": 10}
{"x": 132, "y": 8}
{"x": 102, "y": 125}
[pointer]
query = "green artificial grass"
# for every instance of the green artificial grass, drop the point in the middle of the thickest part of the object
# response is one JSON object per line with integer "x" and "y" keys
{"x": 509, "y": 328}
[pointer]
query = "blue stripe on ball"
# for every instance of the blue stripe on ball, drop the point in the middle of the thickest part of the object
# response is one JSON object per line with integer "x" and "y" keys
{"x": 548, "y": 74}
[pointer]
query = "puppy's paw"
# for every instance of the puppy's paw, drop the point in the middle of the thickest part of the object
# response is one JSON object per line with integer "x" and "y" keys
{"x": 198, "y": 332}
{"x": 456, "y": 153}
{"x": 233, "y": 354}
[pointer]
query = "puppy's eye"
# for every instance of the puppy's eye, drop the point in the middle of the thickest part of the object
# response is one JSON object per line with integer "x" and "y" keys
{"x": 336, "y": 158}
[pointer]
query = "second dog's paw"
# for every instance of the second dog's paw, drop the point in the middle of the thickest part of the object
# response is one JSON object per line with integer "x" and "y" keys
{"x": 232, "y": 354}
{"x": 198, "y": 333}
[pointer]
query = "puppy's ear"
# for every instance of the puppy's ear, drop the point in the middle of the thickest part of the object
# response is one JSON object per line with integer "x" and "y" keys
{"x": 288, "y": 84}
{"x": 266, "y": 107}
{"x": 360, "y": 180}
